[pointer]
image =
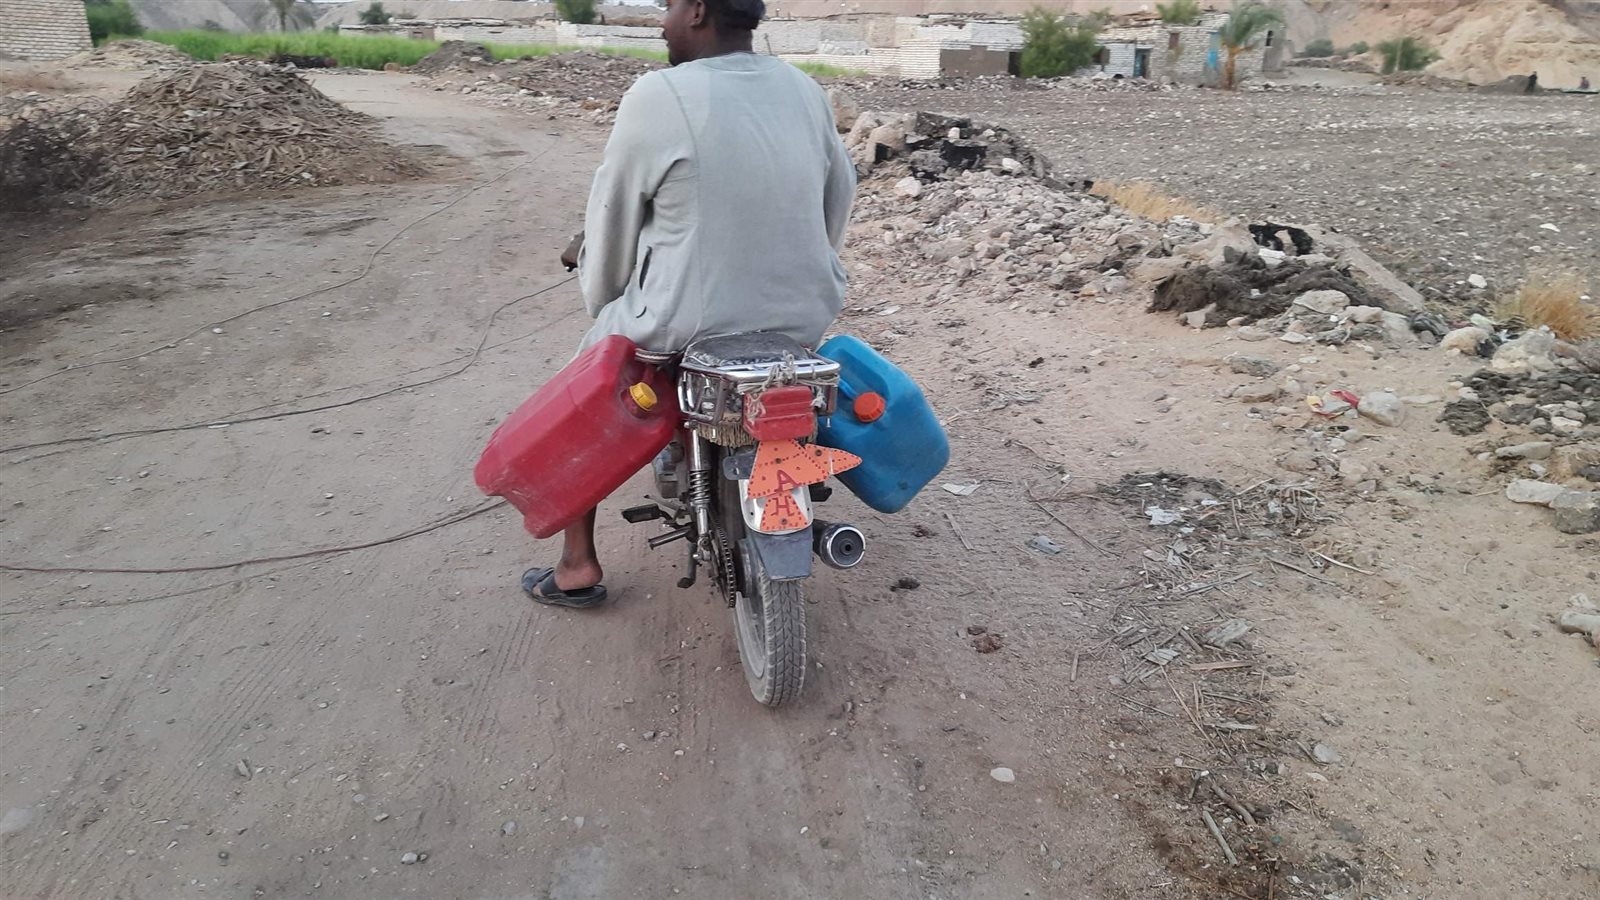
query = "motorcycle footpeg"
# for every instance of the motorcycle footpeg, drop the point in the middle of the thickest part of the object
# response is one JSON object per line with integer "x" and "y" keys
{"x": 647, "y": 513}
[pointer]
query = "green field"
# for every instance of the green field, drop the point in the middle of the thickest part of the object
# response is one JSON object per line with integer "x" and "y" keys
{"x": 370, "y": 51}
{"x": 356, "y": 50}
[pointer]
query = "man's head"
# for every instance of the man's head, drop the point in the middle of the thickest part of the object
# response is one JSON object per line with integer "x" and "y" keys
{"x": 696, "y": 29}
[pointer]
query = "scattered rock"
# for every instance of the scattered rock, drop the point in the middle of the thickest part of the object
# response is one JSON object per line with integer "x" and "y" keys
{"x": 1530, "y": 450}
{"x": 1254, "y": 365}
{"x": 1465, "y": 417}
{"x": 1382, "y": 407}
{"x": 1365, "y": 315}
{"x": 1002, "y": 775}
{"x": 1396, "y": 329}
{"x": 1538, "y": 493}
{"x": 509, "y": 828}
{"x": 1156, "y": 270}
{"x": 908, "y": 187}
{"x": 1582, "y": 618}
{"x": 1533, "y": 352}
{"x": 1198, "y": 318}
{"x": 408, "y": 859}
{"x": 905, "y": 583}
{"x": 1044, "y": 545}
{"x": 1221, "y": 636}
{"x": 1302, "y": 461}
{"x": 1577, "y": 512}
{"x": 1262, "y": 392}
{"x": 1327, "y": 303}
{"x": 1325, "y": 755}
{"x": 1477, "y": 281}
{"x": 845, "y": 110}
{"x": 889, "y": 136}
{"x": 1464, "y": 341}
{"x": 1383, "y": 286}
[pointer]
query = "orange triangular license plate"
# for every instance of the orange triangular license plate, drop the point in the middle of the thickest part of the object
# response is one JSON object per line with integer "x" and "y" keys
{"x": 834, "y": 461}
{"x": 782, "y": 466}
{"x": 782, "y": 514}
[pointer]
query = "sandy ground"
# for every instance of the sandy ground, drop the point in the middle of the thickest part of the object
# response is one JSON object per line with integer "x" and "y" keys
{"x": 294, "y": 728}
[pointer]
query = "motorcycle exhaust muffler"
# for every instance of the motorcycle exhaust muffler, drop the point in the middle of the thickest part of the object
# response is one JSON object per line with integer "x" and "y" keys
{"x": 839, "y": 546}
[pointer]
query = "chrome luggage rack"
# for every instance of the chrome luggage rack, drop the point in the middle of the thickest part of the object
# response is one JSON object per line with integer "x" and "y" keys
{"x": 715, "y": 375}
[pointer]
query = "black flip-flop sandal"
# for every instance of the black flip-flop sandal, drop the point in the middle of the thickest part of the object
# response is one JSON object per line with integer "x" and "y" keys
{"x": 540, "y": 586}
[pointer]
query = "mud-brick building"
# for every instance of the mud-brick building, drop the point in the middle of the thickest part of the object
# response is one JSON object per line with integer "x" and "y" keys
{"x": 1142, "y": 46}
{"x": 42, "y": 29}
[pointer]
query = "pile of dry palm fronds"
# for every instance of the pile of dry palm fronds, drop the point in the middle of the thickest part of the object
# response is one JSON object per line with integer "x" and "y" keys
{"x": 221, "y": 126}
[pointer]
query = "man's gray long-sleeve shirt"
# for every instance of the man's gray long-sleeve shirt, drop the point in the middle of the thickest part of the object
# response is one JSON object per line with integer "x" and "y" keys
{"x": 720, "y": 206}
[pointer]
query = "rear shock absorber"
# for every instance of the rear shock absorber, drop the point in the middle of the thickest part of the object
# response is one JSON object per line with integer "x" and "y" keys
{"x": 702, "y": 482}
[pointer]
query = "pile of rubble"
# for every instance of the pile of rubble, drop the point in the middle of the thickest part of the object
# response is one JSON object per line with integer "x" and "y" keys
{"x": 584, "y": 75}
{"x": 131, "y": 54}
{"x": 1424, "y": 80}
{"x": 584, "y": 82}
{"x": 975, "y": 198}
{"x": 934, "y": 145}
{"x": 986, "y": 232}
{"x": 1008, "y": 84}
{"x": 221, "y": 126}
{"x": 454, "y": 56}
{"x": 1361, "y": 63}
{"x": 14, "y": 104}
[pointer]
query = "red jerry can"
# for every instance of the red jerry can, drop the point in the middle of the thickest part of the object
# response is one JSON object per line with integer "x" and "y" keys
{"x": 578, "y": 438}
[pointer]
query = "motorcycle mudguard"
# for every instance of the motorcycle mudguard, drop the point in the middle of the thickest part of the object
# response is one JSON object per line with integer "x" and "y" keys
{"x": 754, "y": 509}
{"x": 784, "y": 557}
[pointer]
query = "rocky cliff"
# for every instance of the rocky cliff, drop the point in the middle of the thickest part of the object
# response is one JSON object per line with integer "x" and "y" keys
{"x": 1480, "y": 40}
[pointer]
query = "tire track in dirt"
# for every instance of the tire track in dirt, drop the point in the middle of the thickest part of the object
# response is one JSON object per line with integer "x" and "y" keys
{"x": 253, "y": 685}
{"x": 96, "y": 769}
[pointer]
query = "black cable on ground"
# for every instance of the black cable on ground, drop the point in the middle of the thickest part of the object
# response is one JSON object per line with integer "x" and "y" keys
{"x": 170, "y": 595}
{"x": 471, "y": 359}
{"x": 261, "y": 560}
{"x": 365, "y": 271}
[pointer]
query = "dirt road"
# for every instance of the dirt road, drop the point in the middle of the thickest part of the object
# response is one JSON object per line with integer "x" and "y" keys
{"x": 296, "y": 728}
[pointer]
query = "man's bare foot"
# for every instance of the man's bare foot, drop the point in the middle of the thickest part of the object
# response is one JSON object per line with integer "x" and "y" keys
{"x": 541, "y": 587}
{"x": 575, "y": 576}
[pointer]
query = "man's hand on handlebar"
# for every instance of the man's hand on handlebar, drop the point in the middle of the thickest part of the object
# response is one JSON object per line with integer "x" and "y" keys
{"x": 569, "y": 257}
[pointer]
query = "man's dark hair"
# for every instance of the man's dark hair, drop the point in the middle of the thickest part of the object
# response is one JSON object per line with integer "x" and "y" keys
{"x": 737, "y": 15}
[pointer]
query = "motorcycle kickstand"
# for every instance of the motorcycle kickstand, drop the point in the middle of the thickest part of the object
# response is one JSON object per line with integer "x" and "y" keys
{"x": 688, "y": 580}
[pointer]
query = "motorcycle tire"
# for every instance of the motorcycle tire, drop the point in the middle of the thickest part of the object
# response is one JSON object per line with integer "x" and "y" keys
{"x": 770, "y": 625}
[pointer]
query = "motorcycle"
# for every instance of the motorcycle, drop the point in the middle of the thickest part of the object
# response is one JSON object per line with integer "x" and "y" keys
{"x": 746, "y": 400}
{"x": 738, "y": 393}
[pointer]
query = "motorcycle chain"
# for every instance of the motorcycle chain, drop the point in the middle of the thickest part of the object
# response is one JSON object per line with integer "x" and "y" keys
{"x": 726, "y": 575}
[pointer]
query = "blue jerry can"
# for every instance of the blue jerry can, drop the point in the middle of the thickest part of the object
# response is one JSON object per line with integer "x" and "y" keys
{"x": 902, "y": 448}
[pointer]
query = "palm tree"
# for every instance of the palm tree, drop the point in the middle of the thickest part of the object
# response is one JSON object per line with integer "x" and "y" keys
{"x": 1179, "y": 12}
{"x": 284, "y": 9}
{"x": 1246, "y": 21}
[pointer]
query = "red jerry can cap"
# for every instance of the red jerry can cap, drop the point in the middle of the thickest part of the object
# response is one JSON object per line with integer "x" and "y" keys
{"x": 869, "y": 407}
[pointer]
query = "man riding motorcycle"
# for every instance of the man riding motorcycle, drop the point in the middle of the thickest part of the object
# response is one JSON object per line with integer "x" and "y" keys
{"x": 720, "y": 207}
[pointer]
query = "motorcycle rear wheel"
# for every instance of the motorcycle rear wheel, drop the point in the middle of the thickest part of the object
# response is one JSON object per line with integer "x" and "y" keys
{"x": 770, "y": 624}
